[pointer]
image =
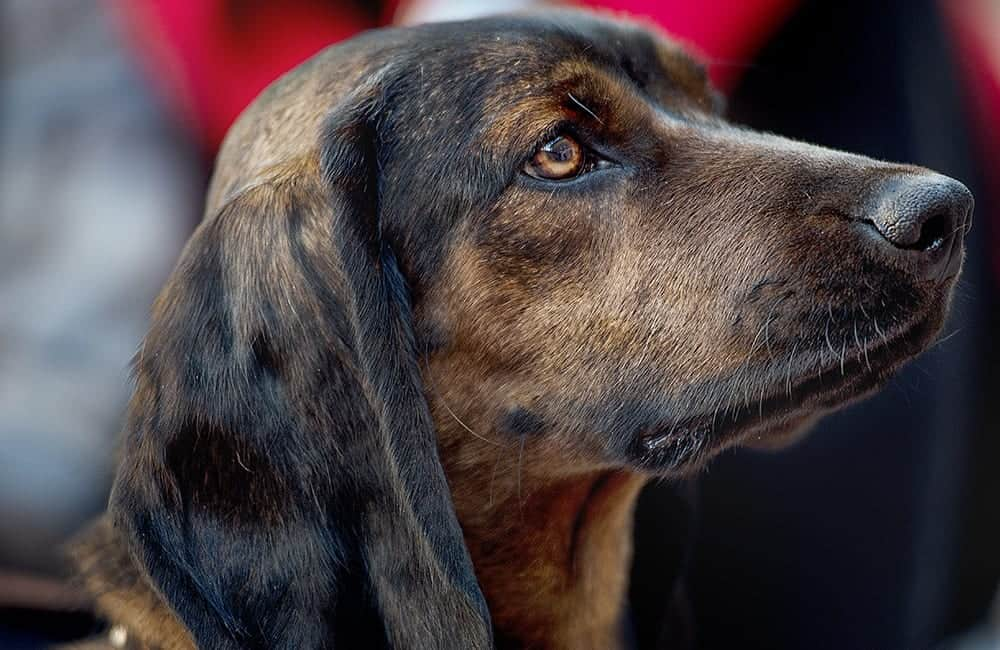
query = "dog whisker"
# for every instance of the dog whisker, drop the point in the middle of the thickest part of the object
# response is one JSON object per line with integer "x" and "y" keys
{"x": 240, "y": 462}
{"x": 944, "y": 338}
{"x": 788, "y": 373}
{"x": 862, "y": 346}
{"x": 826, "y": 334}
{"x": 433, "y": 387}
{"x": 762, "y": 332}
{"x": 584, "y": 107}
{"x": 843, "y": 355}
{"x": 767, "y": 324}
{"x": 878, "y": 330}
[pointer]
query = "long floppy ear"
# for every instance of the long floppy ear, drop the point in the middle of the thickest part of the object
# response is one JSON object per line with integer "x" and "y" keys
{"x": 280, "y": 485}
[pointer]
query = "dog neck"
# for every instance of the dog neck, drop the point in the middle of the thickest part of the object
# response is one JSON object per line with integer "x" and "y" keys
{"x": 552, "y": 555}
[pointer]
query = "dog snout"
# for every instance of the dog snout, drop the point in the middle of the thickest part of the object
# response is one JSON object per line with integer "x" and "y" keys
{"x": 922, "y": 218}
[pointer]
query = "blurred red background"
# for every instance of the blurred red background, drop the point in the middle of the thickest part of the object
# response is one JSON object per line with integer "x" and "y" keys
{"x": 879, "y": 531}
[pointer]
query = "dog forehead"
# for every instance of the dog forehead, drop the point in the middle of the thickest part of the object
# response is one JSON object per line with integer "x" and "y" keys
{"x": 523, "y": 45}
{"x": 618, "y": 60}
{"x": 517, "y": 73}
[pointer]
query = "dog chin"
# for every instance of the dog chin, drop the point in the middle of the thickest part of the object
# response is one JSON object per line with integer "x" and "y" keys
{"x": 783, "y": 418}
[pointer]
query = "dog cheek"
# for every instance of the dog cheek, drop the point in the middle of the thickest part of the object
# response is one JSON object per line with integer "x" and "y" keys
{"x": 539, "y": 242}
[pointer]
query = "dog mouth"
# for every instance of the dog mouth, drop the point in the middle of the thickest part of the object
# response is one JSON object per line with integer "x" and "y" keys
{"x": 776, "y": 408}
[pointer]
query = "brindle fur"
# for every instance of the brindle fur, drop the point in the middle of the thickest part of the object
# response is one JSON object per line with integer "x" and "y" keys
{"x": 374, "y": 275}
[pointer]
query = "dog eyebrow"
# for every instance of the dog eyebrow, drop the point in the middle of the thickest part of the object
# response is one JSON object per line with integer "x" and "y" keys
{"x": 584, "y": 107}
{"x": 595, "y": 89}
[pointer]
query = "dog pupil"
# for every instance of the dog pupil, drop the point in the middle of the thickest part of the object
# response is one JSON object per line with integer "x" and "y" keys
{"x": 561, "y": 150}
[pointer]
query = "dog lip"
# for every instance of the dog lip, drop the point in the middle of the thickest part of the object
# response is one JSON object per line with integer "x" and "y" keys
{"x": 779, "y": 405}
{"x": 661, "y": 435}
{"x": 838, "y": 384}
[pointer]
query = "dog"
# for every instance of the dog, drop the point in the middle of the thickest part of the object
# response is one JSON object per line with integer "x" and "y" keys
{"x": 460, "y": 290}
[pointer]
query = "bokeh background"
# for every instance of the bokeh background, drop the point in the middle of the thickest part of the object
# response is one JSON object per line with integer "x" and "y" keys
{"x": 881, "y": 530}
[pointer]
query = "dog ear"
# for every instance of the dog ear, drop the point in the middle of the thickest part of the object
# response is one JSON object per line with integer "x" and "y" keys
{"x": 280, "y": 485}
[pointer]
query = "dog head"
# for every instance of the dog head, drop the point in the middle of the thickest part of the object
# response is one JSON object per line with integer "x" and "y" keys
{"x": 607, "y": 269}
{"x": 528, "y": 232}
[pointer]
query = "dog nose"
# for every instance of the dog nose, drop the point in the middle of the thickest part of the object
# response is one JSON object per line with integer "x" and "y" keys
{"x": 924, "y": 219}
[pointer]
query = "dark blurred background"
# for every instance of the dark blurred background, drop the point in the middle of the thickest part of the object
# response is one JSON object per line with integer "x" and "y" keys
{"x": 880, "y": 530}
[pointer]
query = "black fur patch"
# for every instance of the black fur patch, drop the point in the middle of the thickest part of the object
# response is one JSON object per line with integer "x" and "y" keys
{"x": 520, "y": 422}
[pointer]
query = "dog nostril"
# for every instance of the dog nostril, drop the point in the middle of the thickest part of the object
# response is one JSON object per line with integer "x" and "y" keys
{"x": 921, "y": 221}
{"x": 920, "y": 213}
{"x": 933, "y": 233}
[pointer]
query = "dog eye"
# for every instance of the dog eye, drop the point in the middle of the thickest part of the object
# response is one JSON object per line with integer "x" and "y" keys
{"x": 556, "y": 160}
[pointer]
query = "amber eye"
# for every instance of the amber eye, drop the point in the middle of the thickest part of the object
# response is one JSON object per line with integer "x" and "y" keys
{"x": 557, "y": 159}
